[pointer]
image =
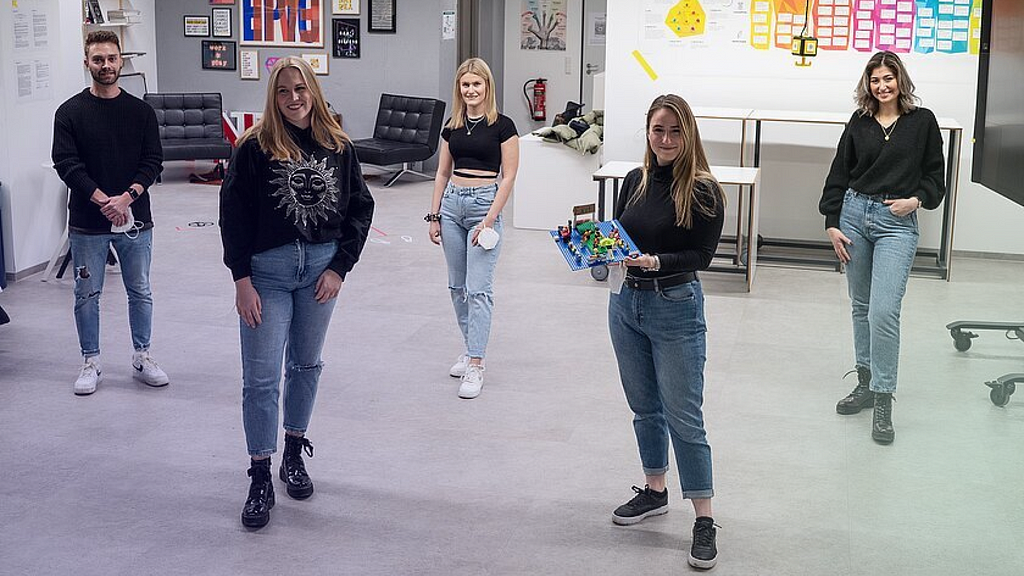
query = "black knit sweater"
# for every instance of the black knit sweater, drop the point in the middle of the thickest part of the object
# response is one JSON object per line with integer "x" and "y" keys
{"x": 651, "y": 223}
{"x": 909, "y": 164}
{"x": 109, "y": 144}
{"x": 267, "y": 203}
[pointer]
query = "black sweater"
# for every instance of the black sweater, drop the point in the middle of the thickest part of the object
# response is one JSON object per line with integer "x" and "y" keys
{"x": 267, "y": 203}
{"x": 909, "y": 164}
{"x": 105, "y": 143}
{"x": 651, "y": 223}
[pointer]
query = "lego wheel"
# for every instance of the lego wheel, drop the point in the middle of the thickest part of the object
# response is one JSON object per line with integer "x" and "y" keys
{"x": 961, "y": 341}
{"x": 999, "y": 396}
{"x": 599, "y": 273}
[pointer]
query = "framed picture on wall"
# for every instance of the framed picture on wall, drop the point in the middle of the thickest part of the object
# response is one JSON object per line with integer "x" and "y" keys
{"x": 345, "y": 7}
{"x": 345, "y": 34}
{"x": 223, "y": 2}
{"x": 284, "y": 23}
{"x": 197, "y": 25}
{"x": 249, "y": 64}
{"x": 318, "y": 62}
{"x": 382, "y": 16}
{"x": 218, "y": 55}
{"x": 222, "y": 22}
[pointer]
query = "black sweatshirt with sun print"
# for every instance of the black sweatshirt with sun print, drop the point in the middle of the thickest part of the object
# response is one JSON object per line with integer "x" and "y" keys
{"x": 267, "y": 203}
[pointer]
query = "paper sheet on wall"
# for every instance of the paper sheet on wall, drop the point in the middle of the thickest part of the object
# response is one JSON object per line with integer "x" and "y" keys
{"x": 448, "y": 25}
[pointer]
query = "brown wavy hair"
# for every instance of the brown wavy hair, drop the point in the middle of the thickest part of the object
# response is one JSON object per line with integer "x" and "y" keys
{"x": 689, "y": 167}
{"x": 270, "y": 130}
{"x": 866, "y": 102}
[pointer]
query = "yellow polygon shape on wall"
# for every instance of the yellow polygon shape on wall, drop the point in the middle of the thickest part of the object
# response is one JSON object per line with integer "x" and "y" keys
{"x": 686, "y": 18}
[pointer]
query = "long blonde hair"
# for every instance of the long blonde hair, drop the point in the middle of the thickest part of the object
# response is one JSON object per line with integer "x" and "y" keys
{"x": 866, "y": 102}
{"x": 690, "y": 166}
{"x": 480, "y": 68}
{"x": 270, "y": 131}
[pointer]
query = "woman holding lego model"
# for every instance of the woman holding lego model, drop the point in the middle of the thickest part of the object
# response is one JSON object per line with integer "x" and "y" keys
{"x": 674, "y": 209}
{"x": 477, "y": 144}
{"x": 294, "y": 214}
{"x": 888, "y": 165}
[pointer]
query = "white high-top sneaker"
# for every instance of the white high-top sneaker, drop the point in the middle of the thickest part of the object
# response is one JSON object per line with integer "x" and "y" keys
{"x": 89, "y": 376}
{"x": 147, "y": 371}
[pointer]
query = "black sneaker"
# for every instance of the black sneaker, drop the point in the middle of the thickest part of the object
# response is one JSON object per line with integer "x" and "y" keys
{"x": 703, "y": 552}
{"x": 646, "y": 503}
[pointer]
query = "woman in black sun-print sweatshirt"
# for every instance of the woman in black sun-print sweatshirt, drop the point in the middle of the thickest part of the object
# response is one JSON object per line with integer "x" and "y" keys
{"x": 294, "y": 215}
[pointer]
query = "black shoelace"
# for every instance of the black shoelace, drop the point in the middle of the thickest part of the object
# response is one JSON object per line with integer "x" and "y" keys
{"x": 704, "y": 535}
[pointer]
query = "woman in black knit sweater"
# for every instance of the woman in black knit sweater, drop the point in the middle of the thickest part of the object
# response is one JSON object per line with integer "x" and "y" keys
{"x": 673, "y": 208}
{"x": 888, "y": 165}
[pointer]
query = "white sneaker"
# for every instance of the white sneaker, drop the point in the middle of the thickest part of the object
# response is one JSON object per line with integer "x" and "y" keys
{"x": 89, "y": 377}
{"x": 147, "y": 371}
{"x": 459, "y": 368}
{"x": 472, "y": 381}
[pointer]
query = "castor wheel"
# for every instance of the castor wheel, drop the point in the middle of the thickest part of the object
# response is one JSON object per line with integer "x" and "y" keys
{"x": 961, "y": 340}
{"x": 999, "y": 396}
{"x": 599, "y": 273}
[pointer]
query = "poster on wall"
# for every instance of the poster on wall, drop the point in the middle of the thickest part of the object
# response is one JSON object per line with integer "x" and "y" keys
{"x": 286, "y": 23}
{"x": 222, "y": 22}
{"x": 218, "y": 55}
{"x": 382, "y": 16}
{"x": 542, "y": 25}
{"x": 596, "y": 28}
{"x": 346, "y": 37}
{"x": 249, "y": 64}
{"x": 345, "y": 7}
{"x": 197, "y": 25}
{"x": 318, "y": 62}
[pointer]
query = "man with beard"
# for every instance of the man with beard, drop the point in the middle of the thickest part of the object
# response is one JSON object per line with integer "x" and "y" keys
{"x": 106, "y": 148}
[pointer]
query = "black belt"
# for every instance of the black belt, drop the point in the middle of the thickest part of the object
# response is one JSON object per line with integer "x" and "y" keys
{"x": 660, "y": 282}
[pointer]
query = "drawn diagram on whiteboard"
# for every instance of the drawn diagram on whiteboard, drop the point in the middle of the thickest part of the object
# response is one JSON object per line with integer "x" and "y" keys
{"x": 902, "y": 26}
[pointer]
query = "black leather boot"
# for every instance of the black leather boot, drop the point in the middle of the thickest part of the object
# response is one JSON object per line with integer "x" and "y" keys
{"x": 862, "y": 397}
{"x": 293, "y": 469}
{"x": 256, "y": 512}
{"x": 881, "y": 424}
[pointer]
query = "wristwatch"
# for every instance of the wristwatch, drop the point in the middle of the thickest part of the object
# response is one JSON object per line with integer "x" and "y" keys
{"x": 131, "y": 192}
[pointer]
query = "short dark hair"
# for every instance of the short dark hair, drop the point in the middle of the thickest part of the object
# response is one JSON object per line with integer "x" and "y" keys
{"x": 102, "y": 37}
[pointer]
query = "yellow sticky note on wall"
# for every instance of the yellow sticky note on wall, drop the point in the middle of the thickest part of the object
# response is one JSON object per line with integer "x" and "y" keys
{"x": 686, "y": 18}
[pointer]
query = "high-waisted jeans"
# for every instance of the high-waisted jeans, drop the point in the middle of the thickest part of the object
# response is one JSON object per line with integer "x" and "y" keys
{"x": 659, "y": 337}
{"x": 470, "y": 268}
{"x": 294, "y": 322}
{"x": 89, "y": 253}
{"x": 881, "y": 256}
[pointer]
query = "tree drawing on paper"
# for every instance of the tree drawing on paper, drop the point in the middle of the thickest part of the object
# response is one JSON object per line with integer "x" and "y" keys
{"x": 686, "y": 18}
{"x": 542, "y": 25}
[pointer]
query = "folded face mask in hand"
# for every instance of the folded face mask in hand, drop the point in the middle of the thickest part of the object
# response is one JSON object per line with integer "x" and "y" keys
{"x": 128, "y": 224}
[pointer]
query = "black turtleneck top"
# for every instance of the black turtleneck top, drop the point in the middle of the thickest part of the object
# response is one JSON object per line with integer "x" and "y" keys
{"x": 268, "y": 203}
{"x": 651, "y": 223}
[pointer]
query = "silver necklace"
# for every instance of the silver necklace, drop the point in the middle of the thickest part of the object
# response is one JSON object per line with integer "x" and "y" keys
{"x": 471, "y": 124}
{"x": 888, "y": 132}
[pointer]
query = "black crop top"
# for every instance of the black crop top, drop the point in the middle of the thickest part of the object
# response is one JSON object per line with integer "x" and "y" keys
{"x": 480, "y": 149}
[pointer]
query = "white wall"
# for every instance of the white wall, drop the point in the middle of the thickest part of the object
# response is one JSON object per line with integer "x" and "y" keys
{"x": 521, "y": 65}
{"x": 34, "y": 200}
{"x": 794, "y": 158}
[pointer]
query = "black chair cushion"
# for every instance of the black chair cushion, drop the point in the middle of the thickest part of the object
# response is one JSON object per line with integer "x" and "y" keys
{"x": 197, "y": 148}
{"x": 190, "y": 125}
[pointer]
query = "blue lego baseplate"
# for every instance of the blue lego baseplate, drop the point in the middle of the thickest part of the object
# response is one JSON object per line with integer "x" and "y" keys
{"x": 580, "y": 257}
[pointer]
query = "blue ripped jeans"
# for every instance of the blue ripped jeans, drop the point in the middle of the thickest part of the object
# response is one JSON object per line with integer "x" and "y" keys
{"x": 470, "y": 268}
{"x": 881, "y": 256}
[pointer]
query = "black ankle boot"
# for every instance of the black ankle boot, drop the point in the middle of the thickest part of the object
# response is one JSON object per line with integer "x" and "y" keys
{"x": 862, "y": 397}
{"x": 256, "y": 512}
{"x": 881, "y": 425}
{"x": 293, "y": 469}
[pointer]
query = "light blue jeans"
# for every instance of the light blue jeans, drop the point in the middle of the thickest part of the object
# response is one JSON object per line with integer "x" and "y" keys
{"x": 659, "y": 337}
{"x": 881, "y": 256}
{"x": 294, "y": 322}
{"x": 470, "y": 268}
{"x": 89, "y": 253}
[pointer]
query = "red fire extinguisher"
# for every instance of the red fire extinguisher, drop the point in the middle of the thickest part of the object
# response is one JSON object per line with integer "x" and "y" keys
{"x": 538, "y": 102}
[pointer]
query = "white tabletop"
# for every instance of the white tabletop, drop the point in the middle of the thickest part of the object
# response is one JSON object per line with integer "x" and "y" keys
{"x": 724, "y": 174}
{"x": 811, "y": 117}
{"x": 721, "y": 113}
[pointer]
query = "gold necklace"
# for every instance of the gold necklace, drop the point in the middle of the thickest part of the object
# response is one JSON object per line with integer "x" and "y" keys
{"x": 888, "y": 133}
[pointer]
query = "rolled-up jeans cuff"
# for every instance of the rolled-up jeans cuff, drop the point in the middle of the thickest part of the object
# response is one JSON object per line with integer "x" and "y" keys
{"x": 698, "y": 494}
{"x": 256, "y": 453}
{"x": 655, "y": 471}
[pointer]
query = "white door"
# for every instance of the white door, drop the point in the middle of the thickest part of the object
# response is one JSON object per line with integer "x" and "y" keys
{"x": 594, "y": 27}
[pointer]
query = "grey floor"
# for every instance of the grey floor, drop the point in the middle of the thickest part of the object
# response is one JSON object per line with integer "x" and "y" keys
{"x": 412, "y": 480}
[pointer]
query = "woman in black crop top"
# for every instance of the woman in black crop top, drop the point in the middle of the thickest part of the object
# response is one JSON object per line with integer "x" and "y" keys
{"x": 673, "y": 208}
{"x": 477, "y": 144}
{"x": 888, "y": 165}
{"x": 294, "y": 214}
